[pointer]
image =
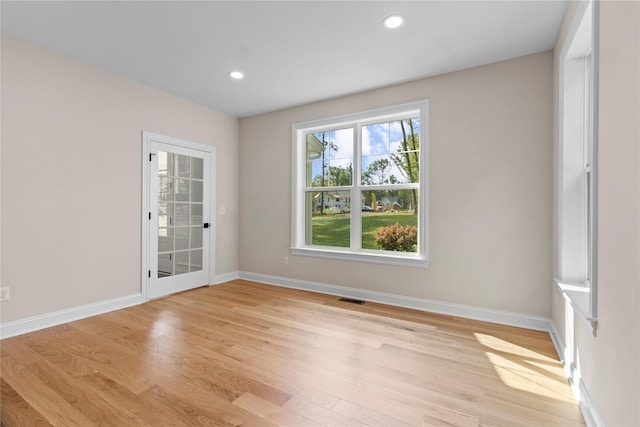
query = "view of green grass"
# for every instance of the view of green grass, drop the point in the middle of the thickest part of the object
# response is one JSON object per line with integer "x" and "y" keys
{"x": 333, "y": 230}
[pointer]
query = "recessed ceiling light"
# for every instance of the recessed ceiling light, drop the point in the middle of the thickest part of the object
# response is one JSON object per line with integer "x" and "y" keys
{"x": 236, "y": 75}
{"x": 393, "y": 21}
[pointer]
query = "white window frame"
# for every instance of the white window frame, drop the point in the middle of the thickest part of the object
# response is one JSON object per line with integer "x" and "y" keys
{"x": 576, "y": 215}
{"x": 355, "y": 252}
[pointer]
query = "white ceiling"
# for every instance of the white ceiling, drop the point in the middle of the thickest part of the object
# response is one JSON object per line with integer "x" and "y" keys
{"x": 292, "y": 52}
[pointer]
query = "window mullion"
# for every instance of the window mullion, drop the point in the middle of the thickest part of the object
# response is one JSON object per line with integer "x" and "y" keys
{"x": 356, "y": 204}
{"x": 406, "y": 186}
{"x": 325, "y": 189}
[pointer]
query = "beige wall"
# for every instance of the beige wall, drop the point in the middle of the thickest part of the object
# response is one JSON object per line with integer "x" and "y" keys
{"x": 71, "y": 171}
{"x": 490, "y": 179}
{"x": 609, "y": 364}
{"x": 71, "y": 178}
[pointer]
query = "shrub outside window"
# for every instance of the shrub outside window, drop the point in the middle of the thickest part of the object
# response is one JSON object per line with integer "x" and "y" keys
{"x": 359, "y": 186}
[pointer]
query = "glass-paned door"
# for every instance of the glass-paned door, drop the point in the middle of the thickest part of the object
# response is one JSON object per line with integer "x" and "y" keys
{"x": 179, "y": 230}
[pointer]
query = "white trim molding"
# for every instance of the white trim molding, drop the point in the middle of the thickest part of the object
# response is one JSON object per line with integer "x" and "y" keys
{"x": 35, "y": 323}
{"x": 591, "y": 416}
{"x": 459, "y": 310}
{"x": 226, "y": 277}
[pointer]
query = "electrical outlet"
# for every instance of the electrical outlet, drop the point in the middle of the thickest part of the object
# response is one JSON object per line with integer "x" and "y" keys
{"x": 285, "y": 261}
{"x": 4, "y": 294}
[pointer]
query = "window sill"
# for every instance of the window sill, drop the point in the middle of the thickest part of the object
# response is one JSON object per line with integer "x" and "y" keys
{"x": 388, "y": 258}
{"x": 579, "y": 295}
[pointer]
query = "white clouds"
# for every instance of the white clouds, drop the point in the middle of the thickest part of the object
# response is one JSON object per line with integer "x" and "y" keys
{"x": 395, "y": 131}
{"x": 343, "y": 140}
{"x": 343, "y": 163}
{"x": 375, "y": 139}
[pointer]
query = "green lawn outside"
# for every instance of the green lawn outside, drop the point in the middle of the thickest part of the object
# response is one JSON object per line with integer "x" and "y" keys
{"x": 333, "y": 230}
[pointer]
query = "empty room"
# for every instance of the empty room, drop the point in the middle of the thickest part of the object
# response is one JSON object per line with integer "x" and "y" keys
{"x": 320, "y": 213}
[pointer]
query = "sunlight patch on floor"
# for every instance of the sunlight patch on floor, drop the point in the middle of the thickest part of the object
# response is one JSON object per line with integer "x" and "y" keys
{"x": 526, "y": 370}
{"x": 505, "y": 346}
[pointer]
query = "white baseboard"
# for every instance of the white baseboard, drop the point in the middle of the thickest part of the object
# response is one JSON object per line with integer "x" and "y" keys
{"x": 589, "y": 412}
{"x": 30, "y": 324}
{"x": 591, "y": 416}
{"x": 226, "y": 277}
{"x": 469, "y": 312}
{"x": 558, "y": 344}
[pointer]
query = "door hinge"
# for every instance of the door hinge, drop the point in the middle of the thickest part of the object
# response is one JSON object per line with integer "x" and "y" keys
{"x": 150, "y": 157}
{"x": 149, "y": 215}
{"x": 149, "y": 274}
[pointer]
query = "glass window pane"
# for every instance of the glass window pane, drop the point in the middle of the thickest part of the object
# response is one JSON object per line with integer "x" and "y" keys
{"x": 182, "y": 262}
{"x": 330, "y": 158}
{"x": 330, "y": 224}
{"x": 181, "y": 238}
{"x": 317, "y": 165}
{"x": 197, "y": 168}
{"x": 165, "y": 214}
{"x": 165, "y": 239}
{"x": 393, "y": 224}
{"x": 165, "y": 163}
{"x": 196, "y": 191}
{"x": 196, "y": 237}
{"x": 340, "y": 172}
{"x": 317, "y": 175}
{"x": 165, "y": 265}
{"x": 182, "y": 190}
{"x": 341, "y": 157}
{"x": 196, "y": 260}
{"x": 165, "y": 190}
{"x": 380, "y": 170}
{"x": 181, "y": 214}
{"x": 182, "y": 166}
{"x": 391, "y": 152}
{"x": 196, "y": 214}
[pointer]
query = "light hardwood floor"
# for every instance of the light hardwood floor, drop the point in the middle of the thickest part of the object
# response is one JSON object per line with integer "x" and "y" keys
{"x": 247, "y": 354}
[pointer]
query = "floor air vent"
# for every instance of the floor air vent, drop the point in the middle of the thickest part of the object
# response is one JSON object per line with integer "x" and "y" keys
{"x": 352, "y": 301}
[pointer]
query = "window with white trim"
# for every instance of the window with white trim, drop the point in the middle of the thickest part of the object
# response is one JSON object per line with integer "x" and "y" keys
{"x": 577, "y": 164}
{"x": 359, "y": 186}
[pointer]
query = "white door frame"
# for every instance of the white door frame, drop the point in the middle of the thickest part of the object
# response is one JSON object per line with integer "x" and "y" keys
{"x": 147, "y": 138}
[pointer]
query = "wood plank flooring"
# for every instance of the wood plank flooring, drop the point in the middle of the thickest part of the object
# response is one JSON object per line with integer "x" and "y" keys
{"x": 248, "y": 354}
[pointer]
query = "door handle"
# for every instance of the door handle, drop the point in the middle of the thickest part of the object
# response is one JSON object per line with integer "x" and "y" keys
{"x": 206, "y": 225}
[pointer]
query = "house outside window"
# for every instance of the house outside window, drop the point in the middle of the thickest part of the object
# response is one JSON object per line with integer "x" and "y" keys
{"x": 360, "y": 186}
